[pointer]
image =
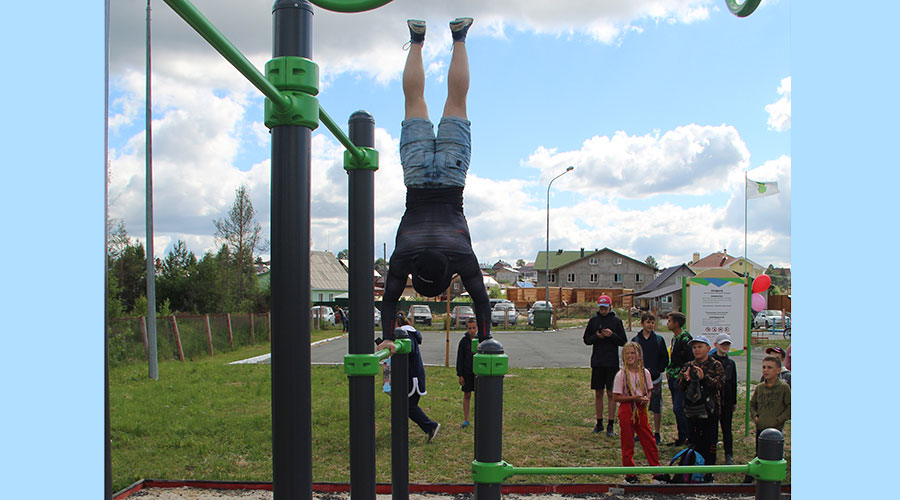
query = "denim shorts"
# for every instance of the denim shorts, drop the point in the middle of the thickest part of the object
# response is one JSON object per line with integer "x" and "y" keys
{"x": 430, "y": 162}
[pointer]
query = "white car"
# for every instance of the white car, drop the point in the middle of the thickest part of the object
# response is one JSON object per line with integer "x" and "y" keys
{"x": 323, "y": 314}
{"x": 504, "y": 313}
{"x": 419, "y": 314}
{"x": 377, "y": 317}
{"x": 769, "y": 317}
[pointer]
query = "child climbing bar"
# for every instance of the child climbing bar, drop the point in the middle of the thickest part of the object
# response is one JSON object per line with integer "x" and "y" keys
{"x": 433, "y": 241}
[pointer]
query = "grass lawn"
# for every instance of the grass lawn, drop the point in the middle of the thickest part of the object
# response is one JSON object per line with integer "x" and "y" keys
{"x": 208, "y": 420}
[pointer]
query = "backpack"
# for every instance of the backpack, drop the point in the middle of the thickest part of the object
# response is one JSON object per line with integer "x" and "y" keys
{"x": 687, "y": 456}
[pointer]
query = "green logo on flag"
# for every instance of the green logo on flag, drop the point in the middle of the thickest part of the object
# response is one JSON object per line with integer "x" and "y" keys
{"x": 761, "y": 187}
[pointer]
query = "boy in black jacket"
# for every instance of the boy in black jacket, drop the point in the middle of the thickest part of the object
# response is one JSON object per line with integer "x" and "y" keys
{"x": 605, "y": 333}
{"x": 728, "y": 393}
{"x": 656, "y": 358}
{"x": 464, "y": 361}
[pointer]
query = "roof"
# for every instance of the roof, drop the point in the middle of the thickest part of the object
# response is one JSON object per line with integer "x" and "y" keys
{"x": 326, "y": 272}
{"x": 663, "y": 276}
{"x": 666, "y": 290}
{"x": 715, "y": 259}
{"x": 558, "y": 260}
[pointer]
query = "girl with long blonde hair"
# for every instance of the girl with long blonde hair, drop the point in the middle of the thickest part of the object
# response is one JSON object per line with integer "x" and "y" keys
{"x": 631, "y": 389}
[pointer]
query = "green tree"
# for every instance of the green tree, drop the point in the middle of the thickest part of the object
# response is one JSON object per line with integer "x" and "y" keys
{"x": 381, "y": 265}
{"x": 520, "y": 262}
{"x": 343, "y": 254}
{"x": 175, "y": 281}
{"x": 650, "y": 261}
{"x": 240, "y": 236}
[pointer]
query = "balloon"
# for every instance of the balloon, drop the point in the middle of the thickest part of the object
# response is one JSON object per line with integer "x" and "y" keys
{"x": 757, "y": 302}
{"x": 761, "y": 283}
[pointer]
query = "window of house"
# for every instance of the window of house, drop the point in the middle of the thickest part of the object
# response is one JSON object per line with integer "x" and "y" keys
{"x": 667, "y": 299}
{"x": 320, "y": 297}
{"x": 330, "y": 297}
{"x": 618, "y": 278}
{"x": 552, "y": 278}
{"x": 593, "y": 261}
{"x": 595, "y": 278}
{"x": 638, "y": 278}
{"x": 618, "y": 261}
{"x": 571, "y": 278}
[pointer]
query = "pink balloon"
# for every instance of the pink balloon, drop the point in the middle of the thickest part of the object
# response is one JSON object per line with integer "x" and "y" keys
{"x": 761, "y": 283}
{"x": 757, "y": 302}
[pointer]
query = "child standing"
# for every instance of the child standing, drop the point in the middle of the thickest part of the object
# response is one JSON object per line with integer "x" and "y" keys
{"x": 631, "y": 389}
{"x": 416, "y": 387}
{"x": 656, "y": 358}
{"x": 464, "y": 360}
{"x": 703, "y": 413}
{"x": 680, "y": 354}
{"x": 770, "y": 405}
{"x": 728, "y": 394}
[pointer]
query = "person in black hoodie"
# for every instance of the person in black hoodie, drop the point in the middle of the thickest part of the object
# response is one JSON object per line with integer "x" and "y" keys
{"x": 464, "y": 367}
{"x": 656, "y": 359}
{"x": 728, "y": 393}
{"x": 605, "y": 334}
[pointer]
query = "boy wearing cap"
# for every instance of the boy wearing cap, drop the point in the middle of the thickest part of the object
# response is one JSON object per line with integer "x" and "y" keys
{"x": 728, "y": 394}
{"x": 605, "y": 334}
{"x": 433, "y": 241}
{"x": 704, "y": 425}
{"x": 785, "y": 373}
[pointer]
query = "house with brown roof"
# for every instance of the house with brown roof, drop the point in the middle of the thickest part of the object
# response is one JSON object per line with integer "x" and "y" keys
{"x": 721, "y": 260}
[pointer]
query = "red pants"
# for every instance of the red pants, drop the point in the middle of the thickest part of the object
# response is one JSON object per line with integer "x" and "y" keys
{"x": 628, "y": 427}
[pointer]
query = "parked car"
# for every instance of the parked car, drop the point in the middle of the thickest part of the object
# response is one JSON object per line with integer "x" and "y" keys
{"x": 323, "y": 314}
{"x": 769, "y": 317}
{"x": 504, "y": 313}
{"x": 494, "y": 302}
{"x": 377, "y": 317}
{"x": 460, "y": 314}
{"x": 419, "y": 313}
{"x": 537, "y": 306}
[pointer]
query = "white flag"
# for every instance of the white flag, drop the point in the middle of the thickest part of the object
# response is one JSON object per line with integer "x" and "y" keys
{"x": 760, "y": 189}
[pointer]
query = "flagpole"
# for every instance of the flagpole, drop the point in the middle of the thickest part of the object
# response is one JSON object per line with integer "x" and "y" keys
{"x": 749, "y": 322}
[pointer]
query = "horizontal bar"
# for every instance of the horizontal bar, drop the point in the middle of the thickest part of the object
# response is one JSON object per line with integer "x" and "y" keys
{"x": 669, "y": 469}
{"x": 223, "y": 46}
{"x": 383, "y": 354}
{"x": 349, "y": 5}
{"x": 340, "y": 135}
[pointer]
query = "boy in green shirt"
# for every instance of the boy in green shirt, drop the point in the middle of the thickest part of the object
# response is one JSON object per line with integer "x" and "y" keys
{"x": 770, "y": 405}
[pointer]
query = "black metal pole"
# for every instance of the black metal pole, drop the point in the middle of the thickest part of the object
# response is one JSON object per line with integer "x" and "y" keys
{"x": 488, "y": 420}
{"x": 771, "y": 447}
{"x": 291, "y": 400}
{"x": 361, "y": 246}
{"x": 399, "y": 422}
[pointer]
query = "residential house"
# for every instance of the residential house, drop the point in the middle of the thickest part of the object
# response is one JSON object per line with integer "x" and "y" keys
{"x": 663, "y": 294}
{"x": 602, "y": 268}
{"x": 527, "y": 273}
{"x": 505, "y": 274}
{"x": 721, "y": 260}
{"x": 327, "y": 277}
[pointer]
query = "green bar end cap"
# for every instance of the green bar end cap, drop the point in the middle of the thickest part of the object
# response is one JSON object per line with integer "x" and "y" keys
{"x": 404, "y": 346}
{"x": 361, "y": 365}
{"x": 768, "y": 470}
{"x": 491, "y": 472}
{"x": 492, "y": 365}
{"x": 303, "y": 111}
{"x": 293, "y": 73}
{"x": 368, "y": 162}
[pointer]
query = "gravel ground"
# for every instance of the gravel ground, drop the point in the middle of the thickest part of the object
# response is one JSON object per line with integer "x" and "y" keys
{"x": 186, "y": 493}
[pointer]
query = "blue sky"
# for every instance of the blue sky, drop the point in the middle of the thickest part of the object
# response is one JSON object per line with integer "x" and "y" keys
{"x": 660, "y": 105}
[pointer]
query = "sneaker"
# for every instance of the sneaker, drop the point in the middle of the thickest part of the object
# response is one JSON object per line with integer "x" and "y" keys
{"x": 748, "y": 479}
{"x": 433, "y": 432}
{"x": 598, "y": 428}
{"x": 464, "y": 424}
{"x": 416, "y": 30}
{"x": 632, "y": 479}
{"x": 657, "y": 438}
{"x": 609, "y": 430}
{"x": 661, "y": 478}
{"x": 729, "y": 460}
{"x": 707, "y": 478}
{"x": 459, "y": 27}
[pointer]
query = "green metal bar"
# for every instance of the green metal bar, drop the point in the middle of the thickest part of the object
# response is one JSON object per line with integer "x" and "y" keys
{"x": 542, "y": 471}
{"x": 340, "y": 135}
{"x": 204, "y": 28}
{"x": 349, "y": 5}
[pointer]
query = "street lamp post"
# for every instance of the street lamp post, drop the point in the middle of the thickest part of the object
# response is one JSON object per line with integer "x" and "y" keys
{"x": 547, "y": 291}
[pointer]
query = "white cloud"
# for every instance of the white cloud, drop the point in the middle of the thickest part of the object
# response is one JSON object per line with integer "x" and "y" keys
{"x": 780, "y": 110}
{"x": 690, "y": 159}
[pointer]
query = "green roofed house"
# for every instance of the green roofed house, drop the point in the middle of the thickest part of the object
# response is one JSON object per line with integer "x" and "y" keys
{"x": 327, "y": 277}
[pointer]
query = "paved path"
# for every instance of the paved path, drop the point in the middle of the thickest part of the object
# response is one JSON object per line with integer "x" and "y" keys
{"x": 562, "y": 348}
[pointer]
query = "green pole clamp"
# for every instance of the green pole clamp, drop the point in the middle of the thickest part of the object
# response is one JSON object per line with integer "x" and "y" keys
{"x": 368, "y": 162}
{"x": 742, "y": 9}
{"x": 768, "y": 470}
{"x": 491, "y": 472}
{"x": 298, "y": 80}
{"x": 474, "y": 345}
{"x": 404, "y": 346}
{"x": 493, "y": 365}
